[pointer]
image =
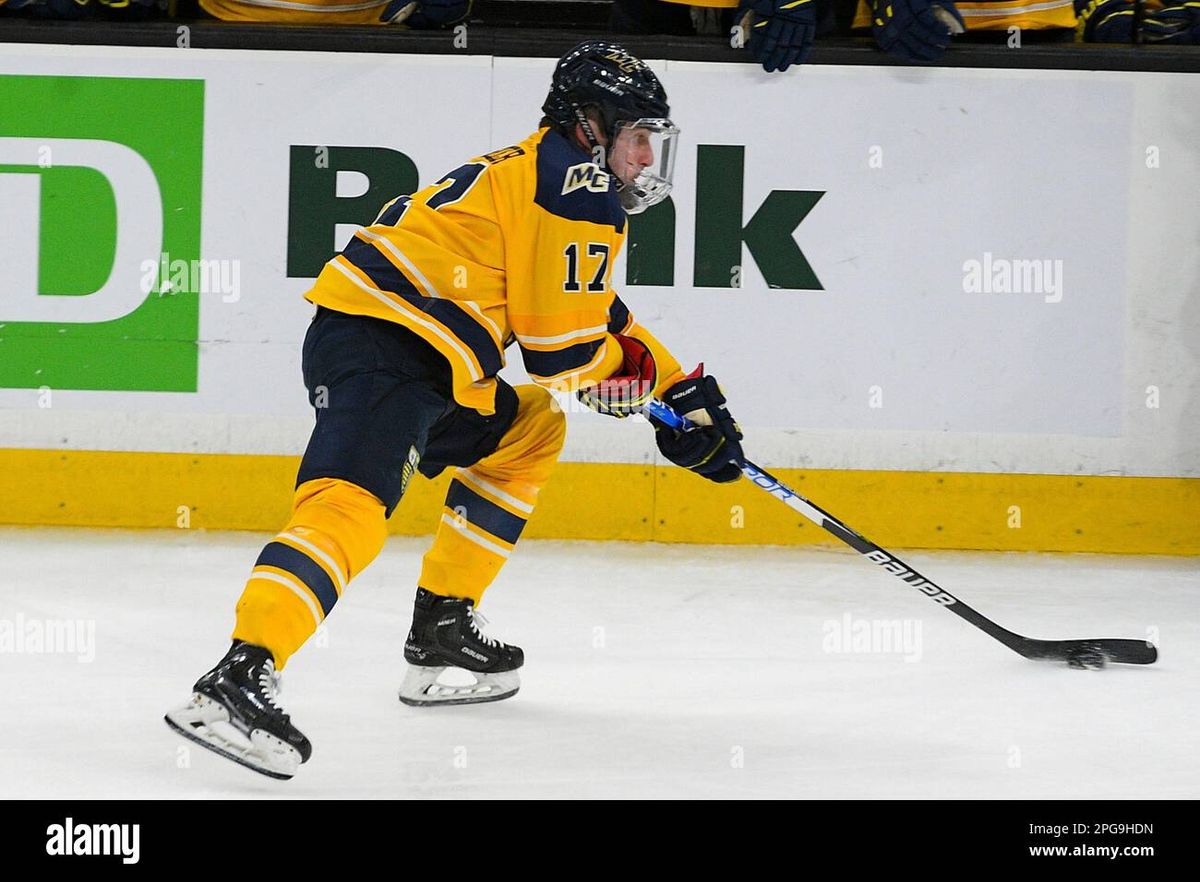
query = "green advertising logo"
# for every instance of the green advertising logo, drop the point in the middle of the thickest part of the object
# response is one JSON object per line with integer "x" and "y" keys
{"x": 98, "y": 176}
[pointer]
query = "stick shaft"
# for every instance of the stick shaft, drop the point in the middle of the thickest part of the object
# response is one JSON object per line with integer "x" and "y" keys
{"x": 1128, "y": 651}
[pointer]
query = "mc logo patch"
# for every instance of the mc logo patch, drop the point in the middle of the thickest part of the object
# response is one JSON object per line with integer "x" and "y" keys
{"x": 586, "y": 174}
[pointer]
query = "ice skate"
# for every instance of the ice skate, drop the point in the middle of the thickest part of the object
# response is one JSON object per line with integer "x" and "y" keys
{"x": 234, "y": 712}
{"x": 445, "y": 635}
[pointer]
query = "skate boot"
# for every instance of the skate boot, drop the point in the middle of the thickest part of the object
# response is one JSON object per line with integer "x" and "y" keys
{"x": 233, "y": 712}
{"x": 445, "y": 635}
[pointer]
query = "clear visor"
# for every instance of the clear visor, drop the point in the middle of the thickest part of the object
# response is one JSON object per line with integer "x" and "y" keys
{"x": 643, "y": 159}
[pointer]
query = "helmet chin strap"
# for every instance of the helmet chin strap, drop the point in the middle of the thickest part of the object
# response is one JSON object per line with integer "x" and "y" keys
{"x": 590, "y": 133}
{"x": 586, "y": 125}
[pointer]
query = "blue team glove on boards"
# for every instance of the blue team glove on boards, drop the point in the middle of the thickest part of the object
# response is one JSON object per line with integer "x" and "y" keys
{"x": 779, "y": 33}
{"x": 915, "y": 30}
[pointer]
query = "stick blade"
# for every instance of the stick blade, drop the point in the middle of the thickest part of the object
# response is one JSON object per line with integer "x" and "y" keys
{"x": 1117, "y": 651}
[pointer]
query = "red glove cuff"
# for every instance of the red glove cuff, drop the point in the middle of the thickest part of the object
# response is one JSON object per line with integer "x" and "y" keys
{"x": 638, "y": 363}
{"x": 627, "y": 390}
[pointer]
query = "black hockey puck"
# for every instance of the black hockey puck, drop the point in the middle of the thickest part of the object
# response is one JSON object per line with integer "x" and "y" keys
{"x": 1087, "y": 658}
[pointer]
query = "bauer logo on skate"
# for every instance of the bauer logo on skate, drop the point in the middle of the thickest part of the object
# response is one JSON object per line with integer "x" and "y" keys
{"x": 69, "y": 839}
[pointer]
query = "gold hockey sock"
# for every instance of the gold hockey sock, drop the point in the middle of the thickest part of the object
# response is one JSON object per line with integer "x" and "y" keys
{"x": 488, "y": 504}
{"x": 336, "y": 530}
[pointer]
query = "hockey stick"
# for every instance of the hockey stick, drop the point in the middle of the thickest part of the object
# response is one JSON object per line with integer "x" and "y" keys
{"x": 1080, "y": 653}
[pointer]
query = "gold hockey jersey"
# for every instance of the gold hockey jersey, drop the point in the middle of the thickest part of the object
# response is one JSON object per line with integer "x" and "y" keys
{"x": 979, "y": 15}
{"x": 306, "y": 11}
{"x": 999, "y": 15}
{"x": 517, "y": 246}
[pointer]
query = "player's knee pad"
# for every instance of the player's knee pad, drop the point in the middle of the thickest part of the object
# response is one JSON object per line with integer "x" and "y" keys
{"x": 540, "y": 422}
{"x": 341, "y": 519}
{"x": 530, "y": 446}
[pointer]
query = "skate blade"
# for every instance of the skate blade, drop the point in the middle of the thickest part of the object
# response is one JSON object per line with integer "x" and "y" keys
{"x": 421, "y": 688}
{"x": 206, "y": 722}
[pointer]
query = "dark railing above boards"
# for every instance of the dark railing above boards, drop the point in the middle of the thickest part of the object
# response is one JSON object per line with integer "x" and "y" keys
{"x": 504, "y": 36}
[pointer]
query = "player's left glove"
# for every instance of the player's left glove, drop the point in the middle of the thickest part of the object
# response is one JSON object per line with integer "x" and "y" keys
{"x": 780, "y": 32}
{"x": 713, "y": 448}
{"x": 628, "y": 390}
{"x": 915, "y": 30}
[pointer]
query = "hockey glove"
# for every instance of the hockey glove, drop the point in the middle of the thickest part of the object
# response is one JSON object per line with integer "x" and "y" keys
{"x": 398, "y": 11}
{"x": 713, "y": 448}
{"x": 915, "y": 30}
{"x": 1174, "y": 24}
{"x": 780, "y": 31}
{"x": 1111, "y": 21}
{"x": 628, "y": 390}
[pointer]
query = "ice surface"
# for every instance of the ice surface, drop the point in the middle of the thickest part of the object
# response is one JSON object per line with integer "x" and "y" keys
{"x": 652, "y": 671}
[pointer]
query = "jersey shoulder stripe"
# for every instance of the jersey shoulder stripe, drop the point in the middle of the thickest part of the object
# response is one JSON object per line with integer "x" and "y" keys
{"x": 386, "y": 277}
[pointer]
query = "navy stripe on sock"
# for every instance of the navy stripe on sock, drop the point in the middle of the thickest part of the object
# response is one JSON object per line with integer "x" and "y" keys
{"x": 304, "y": 568}
{"x": 484, "y": 513}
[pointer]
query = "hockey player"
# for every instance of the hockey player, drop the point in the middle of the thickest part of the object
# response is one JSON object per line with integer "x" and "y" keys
{"x": 412, "y": 322}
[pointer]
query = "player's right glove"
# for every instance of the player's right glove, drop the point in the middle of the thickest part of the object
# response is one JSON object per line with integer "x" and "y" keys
{"x": 713, "y": 448}
{"x": 628, "y": 390}
{"x": 1111, "y": 21}
{"x": 780, "y": 31}
{"x": 915, "y": 30}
